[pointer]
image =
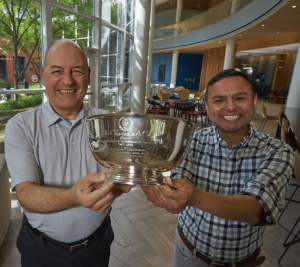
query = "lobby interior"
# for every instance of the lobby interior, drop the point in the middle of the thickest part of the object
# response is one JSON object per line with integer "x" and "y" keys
{"x": 267, "y": 43}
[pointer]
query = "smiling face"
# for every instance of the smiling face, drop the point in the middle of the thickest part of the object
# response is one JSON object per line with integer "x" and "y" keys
{"x": 66, "y": 77}
{"x": 231, "y": 106}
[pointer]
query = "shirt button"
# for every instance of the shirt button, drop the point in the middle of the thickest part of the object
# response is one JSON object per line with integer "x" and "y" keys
{"x": 227, "y": 158}
{"x": 215, "y": 252}
{"x": 218, "y": 232}
{"x": 224, "y": 183}
{"x": 73, "y": 143}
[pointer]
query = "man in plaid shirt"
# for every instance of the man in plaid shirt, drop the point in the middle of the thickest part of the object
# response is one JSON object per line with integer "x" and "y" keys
{"x": 231, "y": 183}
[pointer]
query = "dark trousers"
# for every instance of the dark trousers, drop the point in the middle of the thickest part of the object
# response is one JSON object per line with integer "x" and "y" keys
{"x": 37, "y": 252}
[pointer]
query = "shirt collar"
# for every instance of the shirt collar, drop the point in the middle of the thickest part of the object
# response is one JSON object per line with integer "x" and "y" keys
{"x": 52, "y": 117}
{"x": 218, "y": 141}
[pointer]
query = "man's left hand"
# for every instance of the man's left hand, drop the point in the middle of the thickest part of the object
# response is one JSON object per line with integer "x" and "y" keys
{"x": 174, "y": 196}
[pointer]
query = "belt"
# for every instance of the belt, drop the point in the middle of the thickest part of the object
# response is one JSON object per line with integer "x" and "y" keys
{"x": 251, "y": 261}
{"x": 72, "y": 246}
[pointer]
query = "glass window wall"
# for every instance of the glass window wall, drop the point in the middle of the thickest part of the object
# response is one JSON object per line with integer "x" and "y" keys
{"x": 83, "y": 6}
{"x": 22, "y": 55}
{"x": 128, "y": 60}
{"x": 113, "y": 12}
{"x": 72, "y": 26}
{"x": 110, "y": 98}
{"x": 130, "y": 16}
{"x": 127, "y": 96}
{"x": 77, "y": 20}
{"x": 110, "y": 57}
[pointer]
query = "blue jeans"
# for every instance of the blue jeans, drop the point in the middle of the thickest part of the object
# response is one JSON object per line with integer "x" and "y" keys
{"x": 36, "y": 252}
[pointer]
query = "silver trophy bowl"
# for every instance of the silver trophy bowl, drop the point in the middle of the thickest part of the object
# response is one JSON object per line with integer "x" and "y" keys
{"x": 137, "y": 147}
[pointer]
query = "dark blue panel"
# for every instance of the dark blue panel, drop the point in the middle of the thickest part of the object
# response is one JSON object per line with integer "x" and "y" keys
{"x": 189, "y": 70}
{"x": 154, "y": 74}
{"x": 168, "y": 74}
{"x": 162, "y": 59}
{"x": 155, "y": 59}
{"x": 169, "y": 58}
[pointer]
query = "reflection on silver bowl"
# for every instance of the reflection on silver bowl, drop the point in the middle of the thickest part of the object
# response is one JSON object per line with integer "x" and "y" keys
{"x": 136, "y": 147}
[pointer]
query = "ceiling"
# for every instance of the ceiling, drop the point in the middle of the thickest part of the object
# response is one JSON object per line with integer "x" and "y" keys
{"x": 275, "y": 50}
{"x": 285, "y": 20}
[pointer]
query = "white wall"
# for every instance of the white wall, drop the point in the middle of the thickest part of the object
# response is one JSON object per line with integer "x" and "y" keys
{"x": 168, "y": 17}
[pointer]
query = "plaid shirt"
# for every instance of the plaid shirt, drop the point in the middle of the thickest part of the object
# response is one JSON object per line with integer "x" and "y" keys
{"x": 260, "y": 166}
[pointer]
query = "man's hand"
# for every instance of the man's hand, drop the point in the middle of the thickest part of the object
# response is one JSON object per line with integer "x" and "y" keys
{"x": 95, "y": 192}
{"x": 174, "y": 196}
{"x": 92, "y": 191}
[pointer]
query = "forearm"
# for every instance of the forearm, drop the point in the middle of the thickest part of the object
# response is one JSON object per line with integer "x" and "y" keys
{"x": 242, "y": 208}
{"x": 41, "y": 199}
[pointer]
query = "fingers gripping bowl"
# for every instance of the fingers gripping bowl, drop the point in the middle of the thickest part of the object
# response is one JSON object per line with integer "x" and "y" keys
{"x": 136, "y": 147}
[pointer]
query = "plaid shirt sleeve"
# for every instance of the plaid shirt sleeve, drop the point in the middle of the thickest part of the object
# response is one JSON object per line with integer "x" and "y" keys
{"x": 185, "y": 169}
{"x": 271, "y": 179}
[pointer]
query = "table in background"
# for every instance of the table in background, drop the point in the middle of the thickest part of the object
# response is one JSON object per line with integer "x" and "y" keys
{"x": 179, "y": 102}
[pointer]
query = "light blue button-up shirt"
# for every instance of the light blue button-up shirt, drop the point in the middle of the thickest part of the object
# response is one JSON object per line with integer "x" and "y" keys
{"x": 43, "y": 147}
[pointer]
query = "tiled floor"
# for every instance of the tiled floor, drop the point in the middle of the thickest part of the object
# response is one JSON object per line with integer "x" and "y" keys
{"x": 144, "y": 234}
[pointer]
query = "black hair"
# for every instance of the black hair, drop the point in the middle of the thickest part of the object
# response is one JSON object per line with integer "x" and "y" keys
{"x": 229, "y": 73}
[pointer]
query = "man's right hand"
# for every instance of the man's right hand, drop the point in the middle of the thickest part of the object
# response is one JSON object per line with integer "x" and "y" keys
{"x": 92, "y": 191}
{"x": 95, "y": 192}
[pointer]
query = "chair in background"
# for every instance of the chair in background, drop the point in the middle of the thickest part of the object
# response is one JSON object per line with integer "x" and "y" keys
{"x": 282, "y": 96}
{"x": 272, "y": 95}
{"x": 190, "y": 112}
{"x": 184, "y": 94}
{"x": 296, "y": 238}
{"x": 178, "y": 88}
{"x": 287, "y": 135}
{"x": 156, "y": 108}
{"x": 280, "y": 117}
{"x": 161, "y": 94}
{"x": 266, "y": 117}
{"x": 199, "y": 96}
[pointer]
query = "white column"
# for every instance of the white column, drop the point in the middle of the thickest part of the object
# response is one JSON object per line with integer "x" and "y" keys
{"x": 95, "y": 61}
{"x": 47, "y": 36}
{"x": 46, "y": 25}
{"x": 229, "y": 55}
{"x": 140, "y": 55}
{"x": 174, "y": 68}
{"x": 293, "y": 100}
{"x": 149, "y": 68}
{"x": 178, "y": 11}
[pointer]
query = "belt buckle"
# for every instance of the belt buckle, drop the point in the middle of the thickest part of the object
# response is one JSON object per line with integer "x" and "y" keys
{"x": 212, "y": 264}
{"x": 78, "y": 245}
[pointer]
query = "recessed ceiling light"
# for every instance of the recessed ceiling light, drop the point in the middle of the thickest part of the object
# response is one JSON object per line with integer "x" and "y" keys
{"x": 274, "y": 50}
{"x": 220, "y": 42}
{"x": 263, "y": 25}
{"x": 293, "y": 6}
{"x": 240, "y": 35}
{"x": 277, "y": 32}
